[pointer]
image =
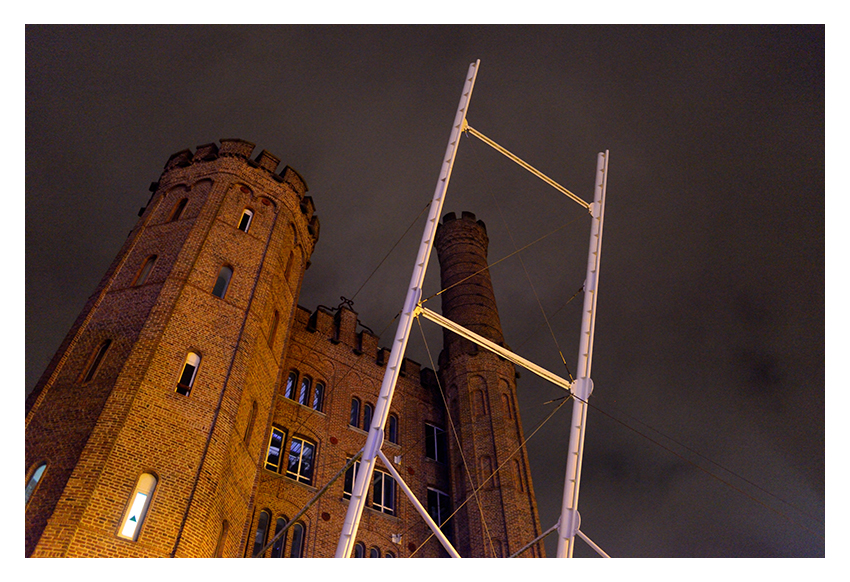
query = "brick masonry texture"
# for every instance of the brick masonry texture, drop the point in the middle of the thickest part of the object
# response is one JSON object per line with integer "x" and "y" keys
{"x": 99, "y": 432}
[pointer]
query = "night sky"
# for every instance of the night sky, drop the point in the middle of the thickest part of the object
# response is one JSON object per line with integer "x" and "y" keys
{"x": 707, "y": 433}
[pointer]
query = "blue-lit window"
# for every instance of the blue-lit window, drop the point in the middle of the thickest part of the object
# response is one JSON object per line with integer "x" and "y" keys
{"x": 301, "y": 460}
{"x": 273, "y": 456}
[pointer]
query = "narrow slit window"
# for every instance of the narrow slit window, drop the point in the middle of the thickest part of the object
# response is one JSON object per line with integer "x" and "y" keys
{"x": 392, "y": 429}
{"x": 245, "y": 221}
{"x": 277, "y": 547}
{"x": 262, "y": 532}
{"x": 135, "y": 514}
{"x": 143, "y": 273}
{"x": 367, "y": 416}
{"x": 359, "y": 550}
{"x": 350, "y": 476}
{"x": 304, "y": 394}
{"x": 33, "y": 482}
{"x": 96, "y": 360}
{"x": 274, "y": 451}
{"x": 355, "y": 412}
{"x": 289, "y": 391}
{"x": 178, "y": 210}
{"x": 319, "y": 396}
{"x": 222, "y": 282}
{"x": 297, "y": 549}
{"x": 187, "y": 376}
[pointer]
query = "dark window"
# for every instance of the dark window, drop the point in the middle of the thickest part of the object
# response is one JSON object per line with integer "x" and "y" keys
{"x": 319, "y": 396}
{"x": 359, "y": 550}
{"x": 289, "y": 391}
{"x": 262, "y": 532}
{"x": 277, "y": 547}
{"x": 297, "y": 549}
{"x": 383, "y": 492}
{"x": 222, "y": 282}
{"x": 245, "y": 221}
{"x": 304, "y": 393}
{"x": 374, "y": 553}
{"x": 350, "y": 476}
{"x": 438, "y": 509}
{"x": 435, "y": 443}
{"x": 187, "y": 376}
{"x": 33, "y": 481}
{"x": 143, "y": 273}
{"x": 367, "y": 417}
{"x": 355, "y": 412}
{"x": 96, "y": 360}
{"x": 274, "y": 452}
{"x": 301, "y": 459}
{"x": 392, "y": 429}
{"x": 389, "y": 555}
{"x": 178, "y": 210}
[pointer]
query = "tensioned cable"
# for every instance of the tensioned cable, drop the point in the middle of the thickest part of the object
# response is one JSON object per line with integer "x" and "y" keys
{"x": 457, "y": 440}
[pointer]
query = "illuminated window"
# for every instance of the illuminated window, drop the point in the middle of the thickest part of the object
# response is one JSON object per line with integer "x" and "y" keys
{"x": 435, "y": 443}
{"x": 367, "y": 416}
{"x": 277, "y": 547}
{"x": 96, "y": 359}
{"x": 383, "y": 492}
{"x": 392, "y": 429}
{"x": 289, "y": 391}
{"x": 273, "y": 456}
{"x": 187, "y": 376}
{"x": 301, "y": 459}
{"x": 438, "y": 509}
{"x": 262, "y": 532}
{"x": 222, "y": 282}
{"x": 143, "y": 273}
{"x": 33, "y": 481}
{"x": 319, "y": 396}
{"x": 304, "y": 393}
{"x": 359, "y": 550}
{"x": 135, "y": 514}
{"x": 350, "y": 476}
{"x": 298, "y": 534}
{"x": 355, "y": 412}
{"x": 245, "y": 221}
{"x": 178, "y": 210}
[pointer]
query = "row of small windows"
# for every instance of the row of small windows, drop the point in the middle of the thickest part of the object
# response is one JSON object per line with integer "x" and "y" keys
{"x": 296, "y": 547}
{"x": 306, "y": 393}
{"x": 368, "y": 414}
{"x": 299, "y": 463}
{"x": 360, "y": 552}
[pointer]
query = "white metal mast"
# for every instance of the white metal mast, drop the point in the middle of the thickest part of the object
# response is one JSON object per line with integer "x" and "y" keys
{"x": 414, "y": 293}
{"x": 583, "y": 386}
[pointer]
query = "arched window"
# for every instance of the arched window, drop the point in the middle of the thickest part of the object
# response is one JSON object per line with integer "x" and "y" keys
{"x": 355, "y": 412}
{"x": 297, "y": 549}
{"x": 374, "y": 553}
{"x": 33, "y": 481}
{"x": 249, "y": 426}
{"x": 222, "y": 537}
{"x": 273, "y": 327}
{"x": 389, "y": 555}
{"x": 319, "y": 396}
{"x": 277, "y": 547}
{"x": 137, "y": 508}
{"x": 304, "y": 394}
{"x": 245, "y": 221}
{"x": 478, "y": 405}
{"x": 187, "y": 376}
{"x": 359, "y": 550}
{"x": 262, "y": 532}
{"x": 367, "y": 416}
{"x": 178, "y": 210}
{"x": 289, "y": 391}
{"x": 222, "y": 282}
{"x": 143, "y": 273}
{"x": 96, "y": 359}
{"x": 392, "y": 429}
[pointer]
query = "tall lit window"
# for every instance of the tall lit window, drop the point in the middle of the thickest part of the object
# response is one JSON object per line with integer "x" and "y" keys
{"x": 435, "y": 443}
{"x": 245, "y": 221}
{"x": 187, "y": 376}
{"x": 355, "y": 412}
{"x": 392, "y": 429}
{"x": 33, "y": 481}
{"x": 137, "y": 510}
{"x": 143, "y": 273}
{"x": 273, "y": 456}
{"x": 438, "y": 509}
{"x": 319, "y": 396}
{"x": 383, "y": 492}
{"x": 277, "y": 547}
{"x": 222, "y": 282}
{"x": 96, "y": 359}
{"x": 297, "y": 549}
{"x": 262, "y": 532}
{"x": 304, "y": 393}
{"x": 367, "y": 417}
{"x": 289, "y": 390}
{"x": 301, "y": 458}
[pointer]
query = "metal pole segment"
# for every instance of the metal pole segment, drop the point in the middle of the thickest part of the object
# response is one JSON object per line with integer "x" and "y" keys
{"x": 527, "y": 166}
{"x": 583, "y": 386}
{"x": 534, "y": 541}
{"x": 414, "y": 293}
{"x": 599, "y": 550}
{"x": 418, "y": 506}
{"x": 495, "y": 348}
{"x": 315, "y": 498}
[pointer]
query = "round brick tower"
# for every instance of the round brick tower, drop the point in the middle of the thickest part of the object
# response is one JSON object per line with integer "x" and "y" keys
{"x": 481, "y": 391}
{"x": 144, "y": 421}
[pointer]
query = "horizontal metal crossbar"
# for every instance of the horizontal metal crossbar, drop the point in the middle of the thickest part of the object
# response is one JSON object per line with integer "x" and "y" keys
{"x": 495, "y": 348}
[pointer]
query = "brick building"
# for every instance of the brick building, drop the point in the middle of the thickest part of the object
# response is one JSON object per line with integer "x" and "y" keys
{"x": 194, "y": 408}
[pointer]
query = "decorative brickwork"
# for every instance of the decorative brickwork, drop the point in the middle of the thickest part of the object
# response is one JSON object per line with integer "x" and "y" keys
{"x": 265, "y": 372}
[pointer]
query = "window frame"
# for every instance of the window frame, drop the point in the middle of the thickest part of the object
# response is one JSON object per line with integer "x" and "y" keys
{"x": 299, "y": 474}
{"x": 435, "y": 441}
{"x": 250, "y": 214}
{"x": 299, "y": 536}
{"x": 381, "y": 476}
{"x": 304, "y": 390}
{"x": 318, "y": 395}
{"x": 258, "y": 542}
{"x": 443, "y": 517}
{"x": 278, "y": 547}
{"x": 354, "y": 415}
{"x": 270, "y": 466}
{"x": 183, "y": 388}
{"x": 146, "y": 484}
{"x": 368, "y": 415}
{"x": 392, "y": 429}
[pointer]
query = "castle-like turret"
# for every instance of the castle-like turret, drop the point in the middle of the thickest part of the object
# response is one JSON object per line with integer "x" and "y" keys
{"x": 153, "y": 397}
{"x": 481, "y": 390}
